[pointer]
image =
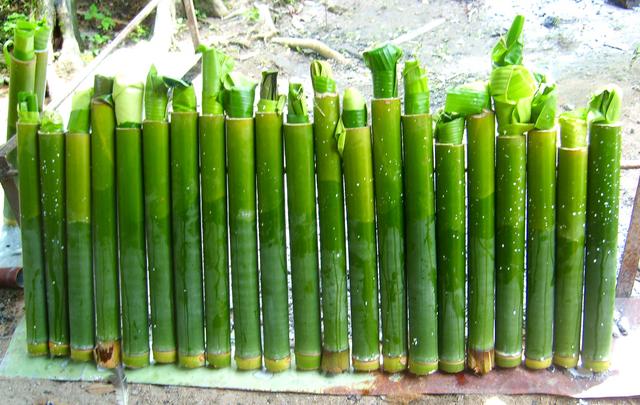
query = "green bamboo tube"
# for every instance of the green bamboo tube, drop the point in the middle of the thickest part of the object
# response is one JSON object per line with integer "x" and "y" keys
{"x": 105, "y": 242}
{"x": 131, "y": 238}
{"x": 510, "y": 239}
{"x": 52, "y": 188}
{"x": 33, "y": 269}
{"x": 213, "y": 178}
{"x": 450, "y": 234}
{"x": 301, "y": 199}
{"x": 603, "y": 193}
{"x": 541, "y": 216}
{"x": 79, "y": 257}
{"x": 481, "y": 134}
{"x": 422, "y": 296}
{"x": 21, "y": 79}
{"x": 571, "y": 203}
{"x": 157, "y": 209}
{"x": 357, "y": 161}
{"x": 244, "y": 250}
{"x": 185, "y": 211}
{"x": 387, "y": 160}
{"x": 273, "y": 259}
{"x": 40, "y": 84}
{"x": 333, "y": 264}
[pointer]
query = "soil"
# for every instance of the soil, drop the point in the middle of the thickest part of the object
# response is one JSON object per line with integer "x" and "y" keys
{"x": 583, "y": 44}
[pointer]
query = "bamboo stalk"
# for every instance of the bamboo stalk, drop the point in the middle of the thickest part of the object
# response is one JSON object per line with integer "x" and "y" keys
{"x": 157, "y": 196}
{"x": 105, "y": 248}
{"x": 571, "y": 203}
{"x": 301, "y": 199}
{"x": 357, "y": 160}
{"x": 422, "y": 296}
{"x": 387, "y": 160}
{"x": 244, "y": 250}
{"x": 481, "y": 240}
{"x": 273, "y": 259}
{"x": 35, "y": 298}
{"x": 131, "y": 238}
{"x": 213, "y": 180}
{"x": 541, "y": 218}
{"x": 79, "y": 258}
{"x": 450, "y": 234}
{"x": 52, "y": 187}
{"x": 333, "y": 265}
{"x": 603, "y": 193}
{"x": 510, "y": 254}
{"x": 187, "y": 252}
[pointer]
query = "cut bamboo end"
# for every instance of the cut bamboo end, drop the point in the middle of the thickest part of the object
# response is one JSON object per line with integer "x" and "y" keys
{"x": 308, "y": 362}
{"x": 277, "y": 365}
{"x": 537, "y": 364}
{"x": 219, "y": 360}
{"x": 451, "y": 367}
{"x": 191, "y": 361}
{"x": 480, "y": 361}
{"x": 38, "y": 349}
{"x": 422, "y": 367}
{"x": 394, "y": 364}
{"x": 135, "y": 361}
{"x": 565, "y": 361}
{"x": 597, "y": 366}
{"x": 508, "y": 360}
{"x": 59, "y": 349}
{"x": 107, "y": 354}
{"x": 366, "y": 365}
{"x": 81, "y": 355}
{"x": 335, "y": 362}
{"x": 164, "y": 357}
{"x": 249, "y": 363}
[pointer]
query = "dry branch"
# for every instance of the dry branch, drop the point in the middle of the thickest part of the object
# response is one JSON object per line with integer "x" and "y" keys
{"x": 312, "y": 44}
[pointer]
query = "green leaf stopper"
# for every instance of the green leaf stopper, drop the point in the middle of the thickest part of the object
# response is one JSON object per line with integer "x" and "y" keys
{"x": 606, "y": 105}
{"x": 449, "y": 128}
{"x": 544, "y": 106}
{"x": 156, "y": 96}
{"x": 416, "y": 88}
{"x": 215, "y": 67}
{"x": 28, "y": 108}
{"x": 297, "y": 112}
{"x": 42, "y": 34}
{"x": 382, "y": 63}
{"x": 467, "y": 99}
{"x": 239, "y": 95}
{"x": 128, "y": 96}
{"x": 51, "y": 122}
{"x": 80, "y": 118}
{"x": 354, "y": 109}
{"x": 322, "y": 77}
{"x": 270, "y": 100}
{"x": 573, "y": 128}
{"x": 508, "y": 50}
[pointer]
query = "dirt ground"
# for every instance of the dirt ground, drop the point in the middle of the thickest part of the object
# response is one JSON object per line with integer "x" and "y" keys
{"x": 582, "y": 44}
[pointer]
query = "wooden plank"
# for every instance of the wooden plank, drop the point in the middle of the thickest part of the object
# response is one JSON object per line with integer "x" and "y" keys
{"x": 192, "y": 22}
{"x": 631, "y": 255}
{"x": 8, "y": 178}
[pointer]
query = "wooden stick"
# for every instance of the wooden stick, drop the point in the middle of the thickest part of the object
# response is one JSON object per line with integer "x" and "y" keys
{"x": 312, "y": 44}
{"x": 91, "y": 67}
{"x": 411, "y": 35}
{"x": 192, "y": 22}
{"x": 631, "y": 255}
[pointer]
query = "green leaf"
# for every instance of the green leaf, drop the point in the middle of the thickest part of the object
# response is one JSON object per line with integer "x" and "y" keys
{"x": 354, "y": 109}
{"x": 606, "y": 105}
{"x": 544, "y": 106}
{"x": 156, "y": 96}
{"x": 449, "y": 128}
{"x": 471, "y": 98}
{"x": 322, "y": 77}
{"x": 79, "y": 120}
{"x": 297, "y": 112}
{"x": 215, "y": 66}
{"x": 508, "y": 50}
{"x": 28, "y": 108}
{"x": 573, "y": 128}
{"x": 416, "y": 88}
{"x": 382, "y": 62}
{"x": 511, "y": 83}
{"x": 128, "y": 97}
{"x": 239, "y": 95}
{"x": 51, "y": 122}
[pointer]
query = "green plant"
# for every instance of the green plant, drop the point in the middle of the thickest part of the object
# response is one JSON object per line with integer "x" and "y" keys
{"x": 101, "y": 17}
{"x": 252, "y": 14}
{"x": 140, "y": 32}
